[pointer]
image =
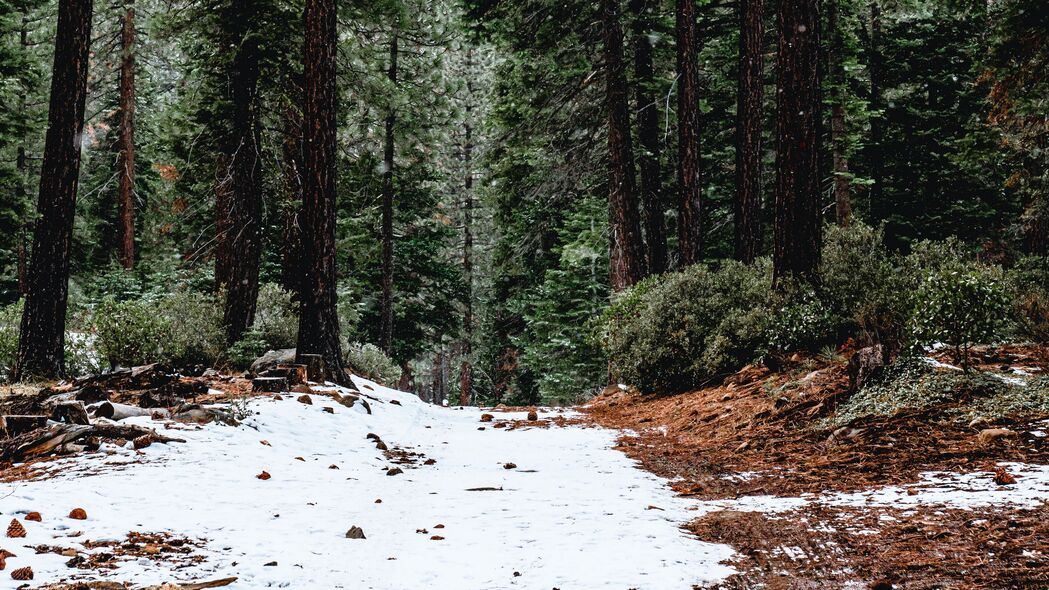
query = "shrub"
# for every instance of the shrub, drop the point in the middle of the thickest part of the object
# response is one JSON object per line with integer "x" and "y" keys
{"x": 798, "y": 319}
{"x": 131, "y": 332}
{"x": 277, "y": 316}
{"x": 1029, "y": 287}
{"x": 10, "y": 321}
{"x": 670, "y": 333}
{"x": 195, "y": 328}
{"x": 371, "y": 362}
{"x": 959, "y": 308}
{"x": 243, "y": 352}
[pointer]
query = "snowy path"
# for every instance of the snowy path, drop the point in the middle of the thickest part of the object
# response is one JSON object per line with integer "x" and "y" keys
{"x": 575, "y": 514}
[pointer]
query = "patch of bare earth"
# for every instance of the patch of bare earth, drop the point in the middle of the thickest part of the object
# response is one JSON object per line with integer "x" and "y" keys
{"x": 760, "y": 433}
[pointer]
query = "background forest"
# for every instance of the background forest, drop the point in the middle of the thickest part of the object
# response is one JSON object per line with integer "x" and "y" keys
{"x": 473, "y": 211}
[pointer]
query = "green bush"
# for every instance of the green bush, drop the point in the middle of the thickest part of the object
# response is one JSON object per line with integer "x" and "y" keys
{"x": 798, "y": 319}
{"x": 243, "y": 352}
{"x": 371, "y": 362}
{"x": 131, "y": 332}
{"x": 670, "y": 333}
{"x": 1029, "y": 287}
{"x": 10, "y": 321}
{"x": 277, "y": 317}
{"x": 195, "y": 328}
{"x": 960, "y": 308}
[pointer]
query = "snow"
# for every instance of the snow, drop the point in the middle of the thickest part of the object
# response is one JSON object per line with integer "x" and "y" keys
{"x": 574, "y": 514}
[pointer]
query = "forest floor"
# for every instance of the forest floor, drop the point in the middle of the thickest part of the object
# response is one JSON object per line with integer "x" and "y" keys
{"x": 921, "y": 499}
{"x": 740, "y": 485}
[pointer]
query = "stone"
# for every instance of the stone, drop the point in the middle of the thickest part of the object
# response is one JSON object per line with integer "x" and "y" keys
{"x": 355, "y": 532}
{"x": 272, "y": 358}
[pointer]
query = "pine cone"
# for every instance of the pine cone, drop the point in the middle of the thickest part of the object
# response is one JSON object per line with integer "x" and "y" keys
{"x": 34, "y": 516}
{"x": 78, "y": 514}
{"x": 22, "y": 573}
{"x": 15, "y": 529}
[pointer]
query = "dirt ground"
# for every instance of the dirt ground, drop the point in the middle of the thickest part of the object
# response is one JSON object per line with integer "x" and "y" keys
{"x": 762, "y": 433}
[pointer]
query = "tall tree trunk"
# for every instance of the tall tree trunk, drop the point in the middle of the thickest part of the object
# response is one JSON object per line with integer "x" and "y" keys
{"x": 223, "y": 221}
{"x": 874, "y": 65}
{"x": 798, "y": 225}
{"x": 626, "y": 255}
{"x": 22, "y": 167}
{"x": 466, "y": 369}
{"x": 318, "y": 316}
{"x": 647, "y": 107}
{"x": 42, "y": 337}
{"x": 748, "y": 130}
{"x": 690, "y": 192}
{"x": 386, "y": 308}
{"x": 126, "y": 141}
{"x": 244, "y": 238}
{"x": 842, "y": 183}
{"x": 291, "y": 167}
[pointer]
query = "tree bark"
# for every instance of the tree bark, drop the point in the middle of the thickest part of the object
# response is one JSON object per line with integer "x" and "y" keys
{"x": 840, "y": 162}
{"x": 466, "y": 368}
{"x": 386, "y": 307}
{"x": 126, "y": 142}
{"x": 291, "y": 166}
{"x": 748, "y": 130}
{"x": 874, "y": 65}
{"x": 690, "y": 192}
{"x": 242, "y": 239}
{"x": 22, "y": 168}
{"x": 626, "y": 255}
{"x": 647, "y": 107}
{"x": 42, "y": 337}
{"x": 798, "y": 225}
{"x": 318, "y": 317}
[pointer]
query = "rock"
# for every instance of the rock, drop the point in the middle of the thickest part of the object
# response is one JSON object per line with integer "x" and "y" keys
{"x": 78, "y": 514}
{"x": 305, "y": 399}
{"x": 329, "y": 409}
{"x": 487, "y": 417}
{"x": 865, "y": 365}
{"x": 355, "y": 532}
{"x": 992, "y": 435}
{"x": 272, "y": 358}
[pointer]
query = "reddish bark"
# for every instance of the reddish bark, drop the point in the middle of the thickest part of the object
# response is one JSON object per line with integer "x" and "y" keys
{"x": 690, "y": 191}
{"x": 748, "y": 130}
{"x": 125, "y": 146}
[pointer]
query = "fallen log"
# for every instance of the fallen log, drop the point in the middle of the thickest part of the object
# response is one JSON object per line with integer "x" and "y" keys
{"x": 71, "y": 412}
{"x": 118, "y": 412}
{"x": 18, "y": 424}
{"x": 42, "y": 441}
{"x": 193, "y": 585}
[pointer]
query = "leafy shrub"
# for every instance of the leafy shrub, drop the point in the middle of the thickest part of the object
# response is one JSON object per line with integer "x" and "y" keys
{"x": 277, "y": 316}
{"x": 10, "y": 321}
{"x": 672, "y": 332}
{"x": 243, "y": 352}
{"x": 131, "y": 332}
{"x": 195, "y": 328}
{"x": 371, "y": 362}
{"x": 959, "y": 308}
{"x": 799, "y": 319}
{"x": 1029, "y": 286}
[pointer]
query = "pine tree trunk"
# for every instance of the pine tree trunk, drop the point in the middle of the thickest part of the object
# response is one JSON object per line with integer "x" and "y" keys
{"x": 798, "y": 225}
{"x": 242, "y": 241}
{"x": 291, "y": 167}
{"x": 126, "y": 142}
{"x": 466, "y": 369}
{"x": 626, "y": 255}
{"x": 840, "y": 162}
{"x": 386, "y": 307}
{"x": 647, "y": 107}
{"x": 223, "y": 221}
{"x": 42, "y": 337}
{"x": 690, "y": 192}
{"x": 22, "y": 168}
{"x": 318, "y": 316}
{"x": 748, "y": 130}
{"x": 874, "y": 66}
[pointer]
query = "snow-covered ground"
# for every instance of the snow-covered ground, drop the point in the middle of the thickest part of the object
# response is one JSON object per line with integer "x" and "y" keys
{"x": 574, "y": 514}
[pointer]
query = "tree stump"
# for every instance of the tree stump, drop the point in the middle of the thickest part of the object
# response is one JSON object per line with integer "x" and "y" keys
{"x": 314, "y": 366}
{"x": 19, "y": 424}
{"x": 72, "y": 412}
{"x": 270, "y": 384}
{"x": 296, "y": 374}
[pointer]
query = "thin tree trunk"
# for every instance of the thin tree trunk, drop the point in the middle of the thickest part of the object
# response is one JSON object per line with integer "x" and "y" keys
{"x": 748, "y": 130}
{"x": 626, "y": 255}
{"x": 223, "y": 222}
{"x": 874, "y": 65}
{"x": 291, "y": 166}
{"x": 386, "y": 311}
{"x": 840, "y": 162}
{"x": 690, "y": 192}
{"x": 798, "y": 225}
{"x": 318, "y": 316}
{"x": 42, "y": 337}
{"x": 647, "y": 107}
{"x": 126, "y": 141}
{"x": 244, "y": 236}
{"x": 466, "y": 369}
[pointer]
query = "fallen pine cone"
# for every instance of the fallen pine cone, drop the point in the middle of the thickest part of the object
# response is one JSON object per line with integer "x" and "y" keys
{"x": 15, "y": 529}
{"x": 22, "y": 573}
{"x": 264, "y": 475}
{"x": 333, "y": 466}
{"x": 395, "y": 471}
{"x": 143, "y": 441}
{"x": 533, "y": 416}
{"x": 329, "y": 409}
{"x": 305, "y": 399}
{"x": 437, "y": 538}
{"x": 438, "y": 526}
{"x": 78, "y": 514}
{"x": 355, "y": 532}
{"x": 430, "y": 462}
{"x": 487, "y": 417}
{"x": 265, "y": 443}
{"x": 510, "y": 466}
{"x": 34, "y": 516}
{"x": 381, "y": 446}
{"x": 1003, "y": 477}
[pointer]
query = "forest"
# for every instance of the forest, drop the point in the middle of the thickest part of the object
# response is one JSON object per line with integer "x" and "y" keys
{"x": 790, "y": 245}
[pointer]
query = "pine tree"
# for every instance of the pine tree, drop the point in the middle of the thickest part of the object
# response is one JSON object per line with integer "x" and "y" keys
{"x": 647, "y": 108}
{"x": 125, "y": 144}
{"x": 748, "y": 130}
{"x": 690, "y": 191}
